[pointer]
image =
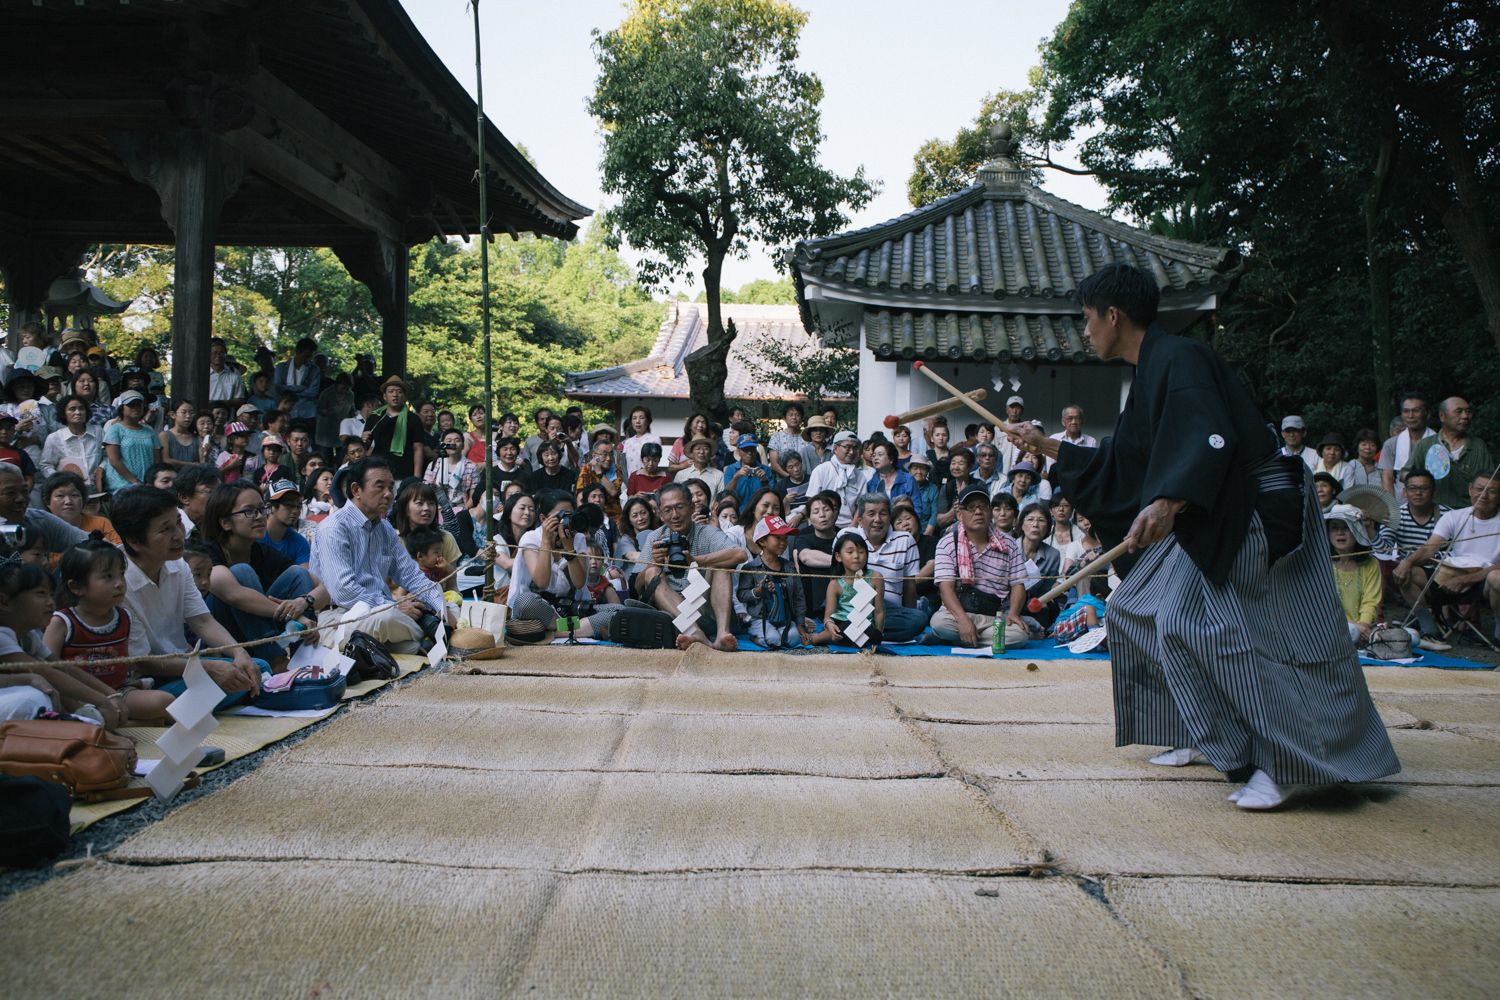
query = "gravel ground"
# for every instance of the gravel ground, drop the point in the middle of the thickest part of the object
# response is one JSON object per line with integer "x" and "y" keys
{"x": 109, "y": 832}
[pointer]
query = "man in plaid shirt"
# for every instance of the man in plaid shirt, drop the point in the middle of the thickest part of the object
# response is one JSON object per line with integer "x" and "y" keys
{"x": 987, "y": 565}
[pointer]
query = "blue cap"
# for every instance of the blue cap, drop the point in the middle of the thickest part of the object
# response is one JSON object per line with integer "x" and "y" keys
{"x": 746, "y": 441}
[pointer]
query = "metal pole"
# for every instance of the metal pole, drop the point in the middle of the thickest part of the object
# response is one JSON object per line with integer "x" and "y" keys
{"x": 484, "y": 307}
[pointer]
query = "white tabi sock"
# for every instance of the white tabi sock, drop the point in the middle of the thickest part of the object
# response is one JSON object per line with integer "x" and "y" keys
{"x": 1260, "y": 792}
{"x": 1180, "y": 757}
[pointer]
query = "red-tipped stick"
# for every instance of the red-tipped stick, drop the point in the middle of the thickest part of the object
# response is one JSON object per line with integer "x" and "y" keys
{"x": 1035, "y": 604}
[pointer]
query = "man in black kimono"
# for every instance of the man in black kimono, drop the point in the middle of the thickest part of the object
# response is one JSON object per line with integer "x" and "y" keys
{"x": 1227, "y": 639}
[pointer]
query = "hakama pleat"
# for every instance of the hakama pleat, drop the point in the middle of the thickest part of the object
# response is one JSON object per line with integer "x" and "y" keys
{"x": 1257, "y": 673}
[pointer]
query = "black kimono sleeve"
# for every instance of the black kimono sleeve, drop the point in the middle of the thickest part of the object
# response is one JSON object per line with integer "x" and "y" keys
{"x": 1189, "y": 431}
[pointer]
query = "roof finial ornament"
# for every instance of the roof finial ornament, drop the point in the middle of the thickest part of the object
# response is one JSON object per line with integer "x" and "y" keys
{"x": 1001, "y": 169}
{"x": 1000, "y": 140}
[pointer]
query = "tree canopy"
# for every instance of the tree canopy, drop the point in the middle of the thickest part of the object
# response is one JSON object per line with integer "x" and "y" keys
{"x": 555, "y": 307}
{"x": 711, "y": 137}
{"x": 1345, "y": 147}
{"x": 1310, "y": 134}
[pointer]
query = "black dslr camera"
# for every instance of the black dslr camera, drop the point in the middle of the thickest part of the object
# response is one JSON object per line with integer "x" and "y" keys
{"x": 585, "y": 519}
{"x": 679, "y": 553}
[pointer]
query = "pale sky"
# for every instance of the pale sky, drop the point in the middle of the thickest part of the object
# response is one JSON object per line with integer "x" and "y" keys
{"x": 895, "y": 74}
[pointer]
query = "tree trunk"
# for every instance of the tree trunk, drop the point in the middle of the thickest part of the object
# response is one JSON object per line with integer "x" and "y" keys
{"x": 708, "y": 366}
{"x": 1380, "y": 278}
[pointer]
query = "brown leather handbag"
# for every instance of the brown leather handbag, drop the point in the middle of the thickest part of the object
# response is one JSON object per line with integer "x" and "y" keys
{"x": 91, "y": 763}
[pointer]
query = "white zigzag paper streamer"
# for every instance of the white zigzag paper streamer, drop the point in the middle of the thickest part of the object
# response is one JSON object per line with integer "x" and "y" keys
{"x": 860, "y": 611}
{"x": 181, "y": 745}
{"x": 692, "y": 601}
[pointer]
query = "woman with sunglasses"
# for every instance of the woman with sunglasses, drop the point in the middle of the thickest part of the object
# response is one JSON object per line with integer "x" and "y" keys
{"x": 254, "y": 590}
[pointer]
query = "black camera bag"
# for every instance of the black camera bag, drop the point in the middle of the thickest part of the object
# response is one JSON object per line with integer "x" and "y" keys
{"x": 639, "y": 628}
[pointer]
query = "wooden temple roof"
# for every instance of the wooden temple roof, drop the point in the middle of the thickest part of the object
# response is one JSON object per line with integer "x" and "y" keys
{"x": 989, "y": 273}
{"x": 347, "y": 121}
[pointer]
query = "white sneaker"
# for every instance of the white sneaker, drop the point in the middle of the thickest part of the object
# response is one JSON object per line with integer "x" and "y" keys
{"x": 1180, "y": 757}
{"x": 1433, "y": 645}
{"x": 1260, "y": 792}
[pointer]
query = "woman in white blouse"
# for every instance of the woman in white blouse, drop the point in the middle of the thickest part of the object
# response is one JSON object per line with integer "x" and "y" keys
{"x": 76, "y": 447}
{"x": 639, "y": 426}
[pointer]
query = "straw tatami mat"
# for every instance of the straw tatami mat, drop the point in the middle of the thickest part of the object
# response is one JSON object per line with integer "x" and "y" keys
{"x": 836, "y": 935}
{"x": 480, "y": 738}
{"x": 1435, "y": 834}
{"x": 1431, "y": 680}
{"x": 580, "y": 695}
{"x": 1039, "y": 702}
{"x": 1263, "y": 940}
{"x": 842, "y": 748}
{"x": 382, "y": 930}
{"x": 675, "y": 695}
{"x": 238, "y": 735}
{"x": 678, "y": 695}
{"x": 1467, "y": 708}
{"x": 981, "y": 671}
{"x": 847, "y": 668}
{"x": 293, "y": 930}
{"x": 508, "y": 739}
{"x": 590, "y": 660}
{"x": 439, "y": 816}
{"x": 1047, "y": 751}
{"x": 572, "y": 821}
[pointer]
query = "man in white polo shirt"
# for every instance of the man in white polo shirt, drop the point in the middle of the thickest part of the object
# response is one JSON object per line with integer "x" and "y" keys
{"x": 1475, "y": 554}
{"x": 896, "y": 557}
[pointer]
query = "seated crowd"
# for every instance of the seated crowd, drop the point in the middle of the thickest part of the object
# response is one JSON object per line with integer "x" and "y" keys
{"x": 140, "y": 526}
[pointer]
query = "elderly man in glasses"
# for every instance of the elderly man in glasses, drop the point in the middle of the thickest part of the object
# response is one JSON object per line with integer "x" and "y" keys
{"x": 981, "y": 577}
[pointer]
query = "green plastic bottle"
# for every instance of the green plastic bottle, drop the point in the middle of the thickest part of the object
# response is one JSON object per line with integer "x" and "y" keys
{"x": 997, "y": 636}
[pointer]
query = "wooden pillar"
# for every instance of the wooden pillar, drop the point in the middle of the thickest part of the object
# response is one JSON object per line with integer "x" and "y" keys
{"x": 193, "y": 173}
{"x": 385, "y": 266}
{"x": 30, "y": 266}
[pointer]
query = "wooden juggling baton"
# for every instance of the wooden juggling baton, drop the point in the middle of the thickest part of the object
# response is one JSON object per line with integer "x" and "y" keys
{"x": 931, "y": 409}
{"x": 1097, "y": 566}
{"x": 964, "y": 399}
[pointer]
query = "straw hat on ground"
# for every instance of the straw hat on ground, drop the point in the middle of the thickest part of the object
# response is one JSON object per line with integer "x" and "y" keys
{"x": 474, "y": 644}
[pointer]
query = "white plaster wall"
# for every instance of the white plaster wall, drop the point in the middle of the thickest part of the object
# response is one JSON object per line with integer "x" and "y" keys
{"x": 890, "y": 387}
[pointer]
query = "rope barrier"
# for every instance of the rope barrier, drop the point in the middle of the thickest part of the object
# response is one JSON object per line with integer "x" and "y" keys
{"x": 19, "y": 666}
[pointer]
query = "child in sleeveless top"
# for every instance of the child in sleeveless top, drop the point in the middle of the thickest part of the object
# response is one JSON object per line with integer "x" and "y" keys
{"x": 851, "y": 554}
{"x": 93, "y": 625}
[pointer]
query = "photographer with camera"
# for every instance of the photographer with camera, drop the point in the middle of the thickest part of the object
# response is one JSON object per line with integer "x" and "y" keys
{"x": 747, "y": 475}
{"x": 551, "y": 567}
{"x": 678, "y": 544}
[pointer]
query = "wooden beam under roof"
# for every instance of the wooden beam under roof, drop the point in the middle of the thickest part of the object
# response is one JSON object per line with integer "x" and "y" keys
{"x": 290, "y": 168}
{"x": 62, "y": 116}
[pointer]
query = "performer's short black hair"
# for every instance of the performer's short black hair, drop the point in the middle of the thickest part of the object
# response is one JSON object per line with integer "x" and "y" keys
{"x": 1128, "y": 289}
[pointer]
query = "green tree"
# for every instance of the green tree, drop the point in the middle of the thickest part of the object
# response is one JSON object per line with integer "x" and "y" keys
{"x": 1250, "y": 126}
{"x": 711, "y": 136}
{"x": 944, "y": 166}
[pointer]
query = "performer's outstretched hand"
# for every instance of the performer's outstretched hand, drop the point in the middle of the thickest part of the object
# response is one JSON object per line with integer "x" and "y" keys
{"x": 1154, "y": 522}
{"x": 1030, "y": 438}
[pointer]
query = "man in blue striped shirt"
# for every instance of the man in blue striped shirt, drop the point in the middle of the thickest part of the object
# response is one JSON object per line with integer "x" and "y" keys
{"x": 356, "y": 550}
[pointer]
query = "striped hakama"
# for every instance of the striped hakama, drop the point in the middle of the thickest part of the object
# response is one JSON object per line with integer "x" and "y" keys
{"x": 1257, "y": 673}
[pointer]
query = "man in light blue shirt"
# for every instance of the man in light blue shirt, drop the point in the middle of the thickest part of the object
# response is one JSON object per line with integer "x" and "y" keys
{"x": 356, "y": 550}
{"x": 302, "y": 378}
